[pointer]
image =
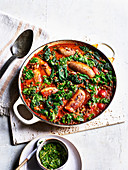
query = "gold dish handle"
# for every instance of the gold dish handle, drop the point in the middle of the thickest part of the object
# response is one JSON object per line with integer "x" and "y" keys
{"x": 104, "y": 44}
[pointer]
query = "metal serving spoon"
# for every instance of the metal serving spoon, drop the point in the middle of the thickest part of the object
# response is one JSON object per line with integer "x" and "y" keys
{"x": 19, "y": 49}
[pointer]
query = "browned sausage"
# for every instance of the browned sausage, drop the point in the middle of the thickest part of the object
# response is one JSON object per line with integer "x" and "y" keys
{"x": 76, "y": 101}
{"x": 37, "y": 75}
{"x": 66, "y": 51}
{"x": 82, "y": 68}
{"x": 45, "y": 66}
{"x": 47, "y": 69}
{"x": 48, "y": 91}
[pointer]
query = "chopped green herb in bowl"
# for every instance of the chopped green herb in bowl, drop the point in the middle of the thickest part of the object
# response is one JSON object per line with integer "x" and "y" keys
{"x": 52, "y": 154}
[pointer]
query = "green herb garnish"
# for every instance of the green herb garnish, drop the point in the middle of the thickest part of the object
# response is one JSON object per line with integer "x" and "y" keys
{"x": 53, "y": 155}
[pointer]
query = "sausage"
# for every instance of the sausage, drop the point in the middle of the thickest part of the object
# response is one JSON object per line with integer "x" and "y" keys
{"x": 48, "y": 91}
{"x": 40, "y": 61}
{"x": 37, "y": 76}
{"x": 82, "y": 68}
{"x": 66, "y": 51}
{"x": 47, "y": 69}
{"x": 45, "y": 66}
{"x": 76, "y": 101}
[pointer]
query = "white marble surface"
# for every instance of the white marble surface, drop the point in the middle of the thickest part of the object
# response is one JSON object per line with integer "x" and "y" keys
{"x": 103, "y": 20}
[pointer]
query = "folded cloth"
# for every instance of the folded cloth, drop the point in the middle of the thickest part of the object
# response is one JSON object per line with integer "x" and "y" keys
{"x": 4, "y": 110}
{"x": 10, "y": 29}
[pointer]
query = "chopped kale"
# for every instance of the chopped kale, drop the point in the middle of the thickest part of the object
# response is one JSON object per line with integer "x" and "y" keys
{"x": 104, "y": 100}
{"x": 90, "y": 116}
{"x": 36, "y": 99}
{"x": 107, "y": 66}
{"x": 34, "y": 60}
{"x": 84, "y": 48}
{"x": 47, "y": 53}
{"x": 28, "y": 74}
{"x": 96, "y": 55}
{"x": 29, "y": 91}
{"x": 74, "y": 79}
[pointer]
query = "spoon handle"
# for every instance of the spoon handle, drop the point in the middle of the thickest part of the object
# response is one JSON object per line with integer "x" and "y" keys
{"x": 5, "y": 66}
{"x": 18, "y": 168}
{"x": 28, "y": 157}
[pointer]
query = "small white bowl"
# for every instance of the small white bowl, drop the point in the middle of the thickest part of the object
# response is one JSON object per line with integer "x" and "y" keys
{"x": 52, "y": 140}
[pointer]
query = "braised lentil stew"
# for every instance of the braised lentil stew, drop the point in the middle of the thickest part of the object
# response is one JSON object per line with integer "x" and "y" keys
{"x": 68, "y": 83}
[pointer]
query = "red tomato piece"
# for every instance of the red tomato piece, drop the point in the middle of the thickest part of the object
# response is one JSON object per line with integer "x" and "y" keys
{"x": 96, "y": 71}
{"x": 101, "y": 106}
{"x": 102, "y": 93}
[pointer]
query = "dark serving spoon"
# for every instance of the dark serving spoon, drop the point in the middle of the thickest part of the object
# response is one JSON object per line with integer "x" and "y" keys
{"x": 19, "y": 49}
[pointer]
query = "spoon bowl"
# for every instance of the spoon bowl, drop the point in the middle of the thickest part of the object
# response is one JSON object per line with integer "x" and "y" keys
{"x": 23, "y": 43}
{"x": 19, "y": 49}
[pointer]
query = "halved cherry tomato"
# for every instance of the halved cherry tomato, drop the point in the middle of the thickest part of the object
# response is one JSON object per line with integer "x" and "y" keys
{"x": 101, "y": 106}
{"x": 95, "y": 70}
{"x": 102, "y": 93}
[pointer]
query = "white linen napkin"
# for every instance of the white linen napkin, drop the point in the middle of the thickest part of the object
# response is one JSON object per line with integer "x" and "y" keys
{"x": 10, "y": 29}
